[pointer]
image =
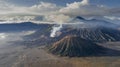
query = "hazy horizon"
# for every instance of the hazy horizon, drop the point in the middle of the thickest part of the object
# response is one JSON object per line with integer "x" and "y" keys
{"x": 14, "y": 11}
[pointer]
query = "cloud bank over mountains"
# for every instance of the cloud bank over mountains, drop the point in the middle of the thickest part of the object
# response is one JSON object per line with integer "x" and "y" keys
{"x": 51, "y": 12}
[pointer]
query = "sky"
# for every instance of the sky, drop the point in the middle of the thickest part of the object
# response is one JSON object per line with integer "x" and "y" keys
{"x": 63, "y": 2}
{"x": 61, "y": 11}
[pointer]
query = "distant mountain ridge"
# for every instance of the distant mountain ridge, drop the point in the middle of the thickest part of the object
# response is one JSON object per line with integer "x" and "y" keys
{"x": 96, "y": 22}
{"x": 20, "y": 26}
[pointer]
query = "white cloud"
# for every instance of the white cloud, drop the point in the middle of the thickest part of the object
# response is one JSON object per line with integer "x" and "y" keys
{"x": 85, "y": 2}
{"x": 84, "y": 8}
{"x": 17, "y": 18}
{"x": 53, "y": 12}
{"x": 112, "y": 18}
{"x": 60, "y": 18}
{"x": 39, "y": 9}
{"x": 44, "y": 7}
{"x": 33, "y": 13}
{"x": 5, "y": 7}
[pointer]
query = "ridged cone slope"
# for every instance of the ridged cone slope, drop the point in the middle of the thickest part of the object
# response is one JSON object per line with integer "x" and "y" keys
{"x": 75, "y": 46}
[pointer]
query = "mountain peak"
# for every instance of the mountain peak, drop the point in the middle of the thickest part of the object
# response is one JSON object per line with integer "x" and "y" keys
{"x": 74, "y": 46}
{"x": 79, "y": 17}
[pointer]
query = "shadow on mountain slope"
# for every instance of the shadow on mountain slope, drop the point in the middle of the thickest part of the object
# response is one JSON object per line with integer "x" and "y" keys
{"x": 73, "y": 46}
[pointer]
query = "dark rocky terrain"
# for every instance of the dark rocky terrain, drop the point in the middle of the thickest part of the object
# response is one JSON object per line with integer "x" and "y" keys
{"x": 100, "y": 34}
{"x": 25, "y": 26}
{"x": 74, "y": 46}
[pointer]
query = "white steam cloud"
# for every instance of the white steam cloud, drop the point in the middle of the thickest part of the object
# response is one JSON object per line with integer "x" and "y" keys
{"x": 56, "y": 30}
